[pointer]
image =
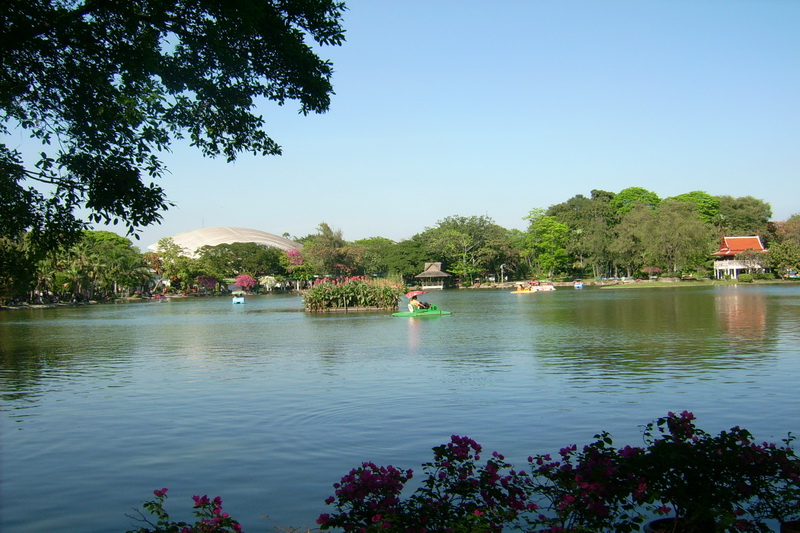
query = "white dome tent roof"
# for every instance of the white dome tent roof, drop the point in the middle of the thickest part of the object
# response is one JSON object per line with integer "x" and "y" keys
{"x": 194, "y": 240}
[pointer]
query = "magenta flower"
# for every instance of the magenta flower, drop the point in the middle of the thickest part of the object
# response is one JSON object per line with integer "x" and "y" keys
{"x": 200, "y": 501}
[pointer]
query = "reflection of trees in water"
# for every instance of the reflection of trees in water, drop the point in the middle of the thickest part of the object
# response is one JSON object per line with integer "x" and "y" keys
{"x": 24, "y": 358}
{"x": 35, "y": 357}
{"x": 663, "y": 330}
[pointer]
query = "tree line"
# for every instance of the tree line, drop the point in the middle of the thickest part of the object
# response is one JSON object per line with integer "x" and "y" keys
{"x": 101, "y": 156}
{"x": 633, "y": 233}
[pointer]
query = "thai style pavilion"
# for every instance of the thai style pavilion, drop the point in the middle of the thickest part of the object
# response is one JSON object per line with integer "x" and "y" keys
{"x": 726, "y": 262}
{"x": 432, "y": 277}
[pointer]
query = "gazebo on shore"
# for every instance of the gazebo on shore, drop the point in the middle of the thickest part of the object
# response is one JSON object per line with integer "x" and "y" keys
{"x": 432, "y": 277}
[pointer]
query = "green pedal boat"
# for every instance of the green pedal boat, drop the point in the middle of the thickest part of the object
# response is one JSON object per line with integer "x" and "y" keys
{"x": 433, "y": 310}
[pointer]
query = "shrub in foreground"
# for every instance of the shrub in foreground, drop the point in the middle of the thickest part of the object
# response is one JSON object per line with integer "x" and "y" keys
{"x": 209, "y": 517}
{"x": 697, "y": 481}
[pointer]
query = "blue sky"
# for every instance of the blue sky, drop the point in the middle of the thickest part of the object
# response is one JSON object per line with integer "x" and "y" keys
{"x": 473, "y": 108}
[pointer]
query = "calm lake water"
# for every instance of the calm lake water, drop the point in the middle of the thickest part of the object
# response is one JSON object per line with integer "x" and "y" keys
{"x": 267, "y": 406}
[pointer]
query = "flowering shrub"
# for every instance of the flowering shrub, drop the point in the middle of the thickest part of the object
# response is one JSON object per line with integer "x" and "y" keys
{"x": 702, "y": 482}
{"x": 210, "y": 518}
{"x": 296, "y": 266}
{"x": 367, "y": 499}
{"x": 692, "y": 474}
{"x": 355, "y": 291}
{"x": 457, "y": 494}
{"x": 705, "y": 483}
{"x": 245, "y": 282}
{"x": 295, "y": 257}
{"x": 774, "y": 475}
{"x": 723, "y": 481}
{"x": 460, "y": 491}
{"x": 593, "y": 488}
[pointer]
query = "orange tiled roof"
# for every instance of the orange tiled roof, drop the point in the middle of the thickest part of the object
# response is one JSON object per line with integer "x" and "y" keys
{"x": 737, "y": 245}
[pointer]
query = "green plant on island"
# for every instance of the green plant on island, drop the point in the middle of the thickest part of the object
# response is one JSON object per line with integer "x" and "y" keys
{"x": 352, "y": 292}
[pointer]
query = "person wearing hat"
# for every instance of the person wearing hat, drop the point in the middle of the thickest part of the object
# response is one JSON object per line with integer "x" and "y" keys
{"x": 415, "y": 303}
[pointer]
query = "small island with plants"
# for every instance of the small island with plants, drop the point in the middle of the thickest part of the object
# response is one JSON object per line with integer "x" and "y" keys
{"x": 355, "y": 293}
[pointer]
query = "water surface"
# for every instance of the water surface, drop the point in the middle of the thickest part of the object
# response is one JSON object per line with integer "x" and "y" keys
{"x": 267, "y": 406}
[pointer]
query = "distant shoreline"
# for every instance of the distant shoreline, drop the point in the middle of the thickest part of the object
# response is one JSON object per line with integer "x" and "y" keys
{"x": 630, "y": 284}
{"x": 604, "y": 284}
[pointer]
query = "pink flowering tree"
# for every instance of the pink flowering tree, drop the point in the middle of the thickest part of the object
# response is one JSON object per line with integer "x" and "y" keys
{"x": 295, "y": 257}
{"x": 245, "y": 282}
{"x": 296, "y": 265}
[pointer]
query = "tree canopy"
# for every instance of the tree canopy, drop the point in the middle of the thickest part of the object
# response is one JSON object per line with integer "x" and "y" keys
{"x": 104, "y": 88}
{"x": 707, "y": 205}
{"x": 627, "y": 199}
{"x": 468, "y": 246}
{"x": 743, "y": 216}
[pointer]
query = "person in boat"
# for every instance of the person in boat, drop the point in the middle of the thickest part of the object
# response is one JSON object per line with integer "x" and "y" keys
{"x": 415, "y": 304}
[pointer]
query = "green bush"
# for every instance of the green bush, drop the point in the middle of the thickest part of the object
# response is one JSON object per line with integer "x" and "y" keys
{"x": 745, "y": 278}
{"x": 343, "y": 293}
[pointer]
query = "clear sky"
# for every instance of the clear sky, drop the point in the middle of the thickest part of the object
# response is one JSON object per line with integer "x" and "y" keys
{"x": 496, "y": 108}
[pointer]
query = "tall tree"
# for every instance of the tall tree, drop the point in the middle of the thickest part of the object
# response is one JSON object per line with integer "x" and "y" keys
{"x": 707, "y": 205}
{"x": 627, "y": 199}
{"x": 630, "y": 236}
{"x": 229, "y": 260}
{"x": 407, "y": 258}
{"x": 465, "y": 245}
{"x": 17, "y": 267}
{"x": 789, "y": 231}
{"x": 743, "y": 216}
{"x": 677, "y": 237}
{"x": 104, "y": 87}
{"x": 590, "y": 221}
{"x": 178, "y": 269}
{"x": 672, "y": 238}
{"x": 547, "y": 243}
{"x": 784, "y": 256}
{"x": 328, "y": 252}
{"x": 373, "y": 254}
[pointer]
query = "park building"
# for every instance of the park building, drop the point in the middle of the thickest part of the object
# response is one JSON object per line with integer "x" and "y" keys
{"x": 737, "y": 255}
{"x": 192, "y": 241}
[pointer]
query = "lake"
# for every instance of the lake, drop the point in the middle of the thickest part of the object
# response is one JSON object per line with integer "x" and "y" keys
{"x": 267, "y": 406}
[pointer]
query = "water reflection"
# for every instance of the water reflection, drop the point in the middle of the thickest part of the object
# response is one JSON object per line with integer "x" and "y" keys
{"x": 413, "y": 336}
{"x": 743, "y": 318}
{"x": 674, "y": 332}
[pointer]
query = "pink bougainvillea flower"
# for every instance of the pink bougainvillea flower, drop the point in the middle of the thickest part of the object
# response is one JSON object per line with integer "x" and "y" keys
{"x": 199, "y": 501}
